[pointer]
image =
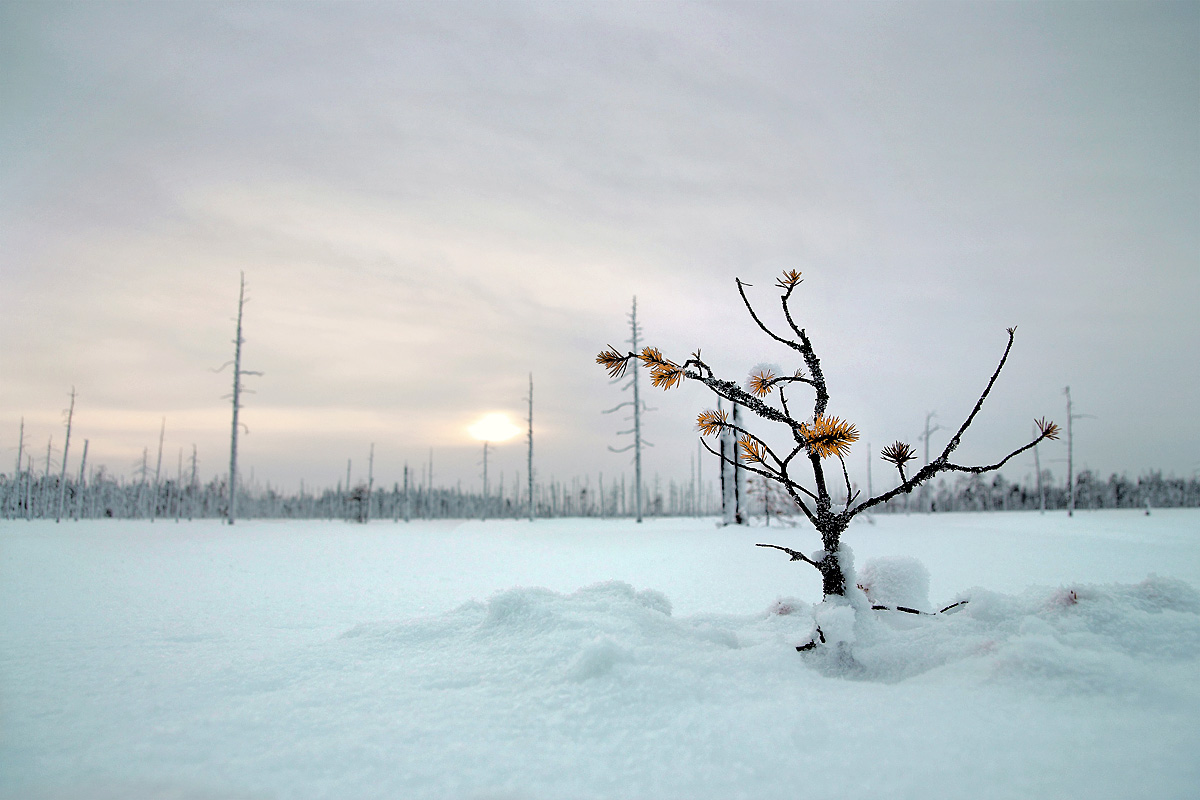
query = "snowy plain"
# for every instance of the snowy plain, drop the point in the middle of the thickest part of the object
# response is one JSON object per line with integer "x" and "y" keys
{"x": 586, "y": 658}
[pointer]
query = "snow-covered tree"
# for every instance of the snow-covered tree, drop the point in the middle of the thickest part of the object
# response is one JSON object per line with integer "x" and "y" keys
{"x": 820, "y": 439}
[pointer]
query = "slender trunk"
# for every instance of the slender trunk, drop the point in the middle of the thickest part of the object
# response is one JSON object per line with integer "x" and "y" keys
{"x": 29, "y": 487}
{"x": 179, "y": 488}
{"x": 728, "y": 481}
{"x": 637, "y": 421}
{"x": 529, "y": 456}
{"x": 237, "y": 390}
{"x": 162, "y": 432}
{"x": 1070, "y": 458}
{"x": 81, "y": 485}
{"x": 407, "y": 500}
{"x": 192, "y": 487}
{"x": 44, "y": 489}
{"x": 1037, "y": 465}
{"x": 366, "y": 515}
{"x": 483, "y": 505}
{"x": 741, "y": 504}
{"x": 142, "y": 484}
{"x": 17, "y": 472}
{"x": 766, "y": 503}
{"x": 20, "y": 445}
{"x": 62, "y": 476}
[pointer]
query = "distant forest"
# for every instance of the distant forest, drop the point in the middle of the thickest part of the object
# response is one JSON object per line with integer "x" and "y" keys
{"x": 29, "y": 495}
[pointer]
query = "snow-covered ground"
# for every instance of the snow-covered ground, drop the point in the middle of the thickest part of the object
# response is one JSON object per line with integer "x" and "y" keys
{"x": 594, "y": 659}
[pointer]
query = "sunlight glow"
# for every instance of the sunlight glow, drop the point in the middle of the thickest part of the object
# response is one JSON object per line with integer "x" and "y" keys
{"x": 494, "y": 427}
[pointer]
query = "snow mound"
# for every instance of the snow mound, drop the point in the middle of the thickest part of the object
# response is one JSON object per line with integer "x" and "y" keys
{"x": 1088, "y": 639}
{"x": 896, "y": 581}
{"x": 534, "y": 634}
{"x": 1084, "y": 639}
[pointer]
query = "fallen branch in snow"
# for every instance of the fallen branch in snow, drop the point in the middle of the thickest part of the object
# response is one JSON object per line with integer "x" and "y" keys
{"x": 908, "y": 610}
{"x": 800, "y": 648}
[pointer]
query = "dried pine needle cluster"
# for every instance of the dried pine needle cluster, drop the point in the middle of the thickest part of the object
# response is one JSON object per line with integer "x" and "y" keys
{"x": 760, "y": 383}
{"x": 789, "y": 279}
{"x": 711, "y": 422}
{"x": 1047, "y": 429}
{"x": 824, "y": 436}
{"x": 664, "y": 373}
{"x": 614, "y": 362}
{"x": 898, "y": 453}
{"x": 752, "y": 449}
{"x": 829, "y": 436}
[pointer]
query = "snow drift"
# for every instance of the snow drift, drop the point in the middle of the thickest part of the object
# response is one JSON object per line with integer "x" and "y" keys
{"x": 192, "y": 662}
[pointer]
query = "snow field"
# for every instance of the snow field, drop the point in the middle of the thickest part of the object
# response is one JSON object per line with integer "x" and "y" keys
{"x": 597, "y": 659}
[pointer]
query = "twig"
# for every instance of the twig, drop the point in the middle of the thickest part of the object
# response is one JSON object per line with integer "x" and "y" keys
{"x": 795, "y": 554}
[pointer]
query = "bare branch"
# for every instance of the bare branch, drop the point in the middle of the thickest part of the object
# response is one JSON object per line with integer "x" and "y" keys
{"x": 846, "y": 475}
{"x": 795, "y": 554}
{"x": 753, "y": 315}
{"x": 933, "y": 468}
{"x": 957, "y": 468}
{"x": 810, "y": 356}
{"x": 954, "y": 441}
{"x": 736, "y": 394}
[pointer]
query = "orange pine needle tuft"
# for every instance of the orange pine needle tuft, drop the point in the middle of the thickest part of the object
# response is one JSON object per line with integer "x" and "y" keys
{"x": 829, "y": 436}
{"x": 1047, "y": 429}
{"x": 664, "y": 373}
{"x": 666, "y": 376}
{"x": 711, "y": 422}
{"x": 760, "y": 383}
{"x": 751, "y": 449}
{"x": 789, "y": 279}
{"x": 614, "y": 362}
{"x": 652, "y": 357}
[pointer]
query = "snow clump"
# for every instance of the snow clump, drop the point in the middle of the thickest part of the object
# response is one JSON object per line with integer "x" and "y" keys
{"x": 896, "y": 581}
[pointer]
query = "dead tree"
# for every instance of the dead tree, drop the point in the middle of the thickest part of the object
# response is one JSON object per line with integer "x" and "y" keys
{"x": 638, "y": 407}
{"x": 162, "y": 432}
{"x": 16, "y": 481}
{"x": 62, "y": 476}
{"x": 816, "y": 439}
{"x": 236, "y": 396}
{"x": 365, "y": 516}
{"x": 733, "y": 477}
{"x": 82, "y": 485}
{"x": 529, "y": 452}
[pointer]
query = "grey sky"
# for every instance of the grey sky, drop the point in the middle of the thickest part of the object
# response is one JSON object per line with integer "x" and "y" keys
{"x": 431, "y": 201}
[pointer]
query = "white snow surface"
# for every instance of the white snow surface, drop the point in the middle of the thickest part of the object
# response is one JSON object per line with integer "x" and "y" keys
{"x": 575, "y": 659}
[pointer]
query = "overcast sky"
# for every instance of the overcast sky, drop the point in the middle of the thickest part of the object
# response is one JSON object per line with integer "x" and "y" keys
{"x": 431, "y": 201}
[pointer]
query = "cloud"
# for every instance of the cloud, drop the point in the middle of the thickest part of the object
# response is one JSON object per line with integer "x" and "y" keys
{"x": 430, "y": 203}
